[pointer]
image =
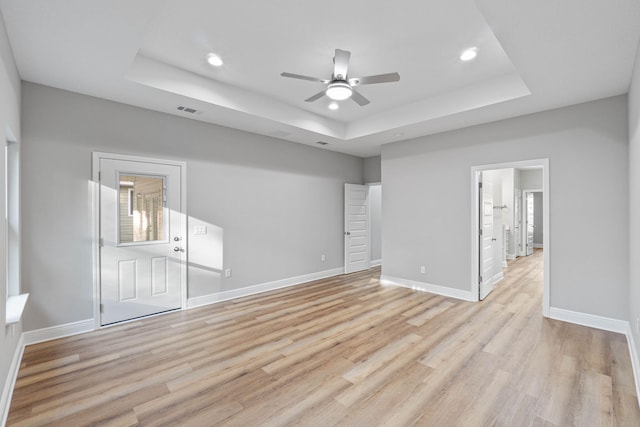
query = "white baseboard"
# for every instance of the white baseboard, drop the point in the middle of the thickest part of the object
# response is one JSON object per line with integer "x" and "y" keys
{"x": 59, "y": 331}
{"x": 12, "y": 375}
{"x": 263, "y": 287}
{"x": 635, "y": 361}
{"x": 511, "y": 256}
{"x": 537, "y": 245}
{"x": 375, "y": 263}
{"x": 591, "y": 320}
{"x": 428, "y": 287}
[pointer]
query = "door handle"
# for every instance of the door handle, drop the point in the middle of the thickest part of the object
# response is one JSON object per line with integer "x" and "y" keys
{"x": 177, "y": 249}
{"x": 493, "y": 239}
{"x": 347, "y": 233}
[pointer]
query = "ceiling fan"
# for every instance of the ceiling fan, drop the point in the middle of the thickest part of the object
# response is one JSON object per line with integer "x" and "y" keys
{"x": 340, "y": 86}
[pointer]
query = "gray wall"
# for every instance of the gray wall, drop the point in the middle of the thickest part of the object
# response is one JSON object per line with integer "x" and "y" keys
{"x": 634, "y": 201}
{"x": 9, "y": 123}
{"x": 375, "y": 204}
{"x": 538, "y": 209}
{"x": 273, "y": 206}
{"x": 372, "y": 171}
{"x": 427, "y": 197}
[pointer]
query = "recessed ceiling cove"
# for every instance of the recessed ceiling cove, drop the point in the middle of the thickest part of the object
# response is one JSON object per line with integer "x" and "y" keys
{"x": 257, "y": 41}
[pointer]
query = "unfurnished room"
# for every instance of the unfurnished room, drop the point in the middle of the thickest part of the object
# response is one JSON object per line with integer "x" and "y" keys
{"x": 328, "y": 213}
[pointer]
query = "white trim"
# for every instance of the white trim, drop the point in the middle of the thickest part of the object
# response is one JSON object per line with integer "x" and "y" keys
{"x": 15, "y": 308}
{"x": 538, "y": 245}
{"x": 95, "y": 217}
{"x": 590, "y": 320}
{"x": 429, "y": 287}
{"x": 635, "y": 361}
{"x": 263, "y": 287}
{"x": 475, "y": 267}
{"x": 375, "y": 263}
{"x": 12, "y": 376}
{"x": 59, "y": 331}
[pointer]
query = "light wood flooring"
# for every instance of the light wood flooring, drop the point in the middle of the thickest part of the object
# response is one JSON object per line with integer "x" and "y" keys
{"x": 341, "y": 351}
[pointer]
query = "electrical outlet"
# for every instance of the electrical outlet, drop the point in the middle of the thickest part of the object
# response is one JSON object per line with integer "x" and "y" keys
{"x": 323, "y": 258}
{"x": 227, "y": 272}
{"x": 423, "y": 269}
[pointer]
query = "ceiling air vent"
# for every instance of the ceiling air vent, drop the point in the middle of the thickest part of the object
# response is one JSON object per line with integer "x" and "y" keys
{"x": 187, "y": 109}
{"x": 322, "y": 143}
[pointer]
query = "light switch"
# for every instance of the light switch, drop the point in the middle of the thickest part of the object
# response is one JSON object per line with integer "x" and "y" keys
{"x": 199, "y": 230}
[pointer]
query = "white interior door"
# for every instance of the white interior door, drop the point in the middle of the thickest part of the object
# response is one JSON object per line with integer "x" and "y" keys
{"x": 517, "y": 223}
{"x": 141, "y": 230}
{"x": 486, "y": 238}
{"x": 356, "y": 228}
{"x": 529, "y": 222}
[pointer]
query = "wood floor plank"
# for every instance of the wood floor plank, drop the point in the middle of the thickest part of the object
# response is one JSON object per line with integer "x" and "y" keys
{"x": 341, "y": 351}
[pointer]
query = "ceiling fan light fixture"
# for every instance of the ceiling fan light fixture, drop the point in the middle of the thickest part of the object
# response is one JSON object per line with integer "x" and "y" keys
{"x": 339, "y": 91}
{"x": 214, "y": 60}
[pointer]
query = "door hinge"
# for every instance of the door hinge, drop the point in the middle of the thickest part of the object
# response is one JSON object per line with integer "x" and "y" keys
{"x": 480, "y": 184}
{"x": 101, "y": 308}
{"x": 481, "y": 231}
{"x": 99, "y": 176}
{"x": 100, "y": 242}
{"x": 479, "y": 279}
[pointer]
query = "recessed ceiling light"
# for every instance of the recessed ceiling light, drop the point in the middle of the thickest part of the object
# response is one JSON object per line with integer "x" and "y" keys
{"x": 469, "y": 54}
{"x": 214, "y": 60}
{"x": 333, "y": 106}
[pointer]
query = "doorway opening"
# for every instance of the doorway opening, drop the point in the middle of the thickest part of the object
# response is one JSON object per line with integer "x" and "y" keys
{"x": 510, "y": 219}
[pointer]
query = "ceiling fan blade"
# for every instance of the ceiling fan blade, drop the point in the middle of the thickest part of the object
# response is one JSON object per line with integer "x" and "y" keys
{"x": 315, "y": 97}
{"x": 301, "y": 77}
{"x": 369, "y": 80}
{"x": 341, "y": 64}
{"x": 358, "y": 98}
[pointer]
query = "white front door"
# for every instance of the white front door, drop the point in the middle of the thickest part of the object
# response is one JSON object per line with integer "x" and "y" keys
{"x": 356, "y": 228}
{"x": 142, "y": 227}
{"x": 486, "y": 238}
{"x": 530, "y": 223}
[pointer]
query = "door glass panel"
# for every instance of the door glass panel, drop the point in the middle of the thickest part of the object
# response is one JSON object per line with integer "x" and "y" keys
{"x": 140, "y": 208}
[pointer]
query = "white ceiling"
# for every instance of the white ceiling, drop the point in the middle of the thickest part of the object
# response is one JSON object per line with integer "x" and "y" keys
{"x": 533, "y": 56}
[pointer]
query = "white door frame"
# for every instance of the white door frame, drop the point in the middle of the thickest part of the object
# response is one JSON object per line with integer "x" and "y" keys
{"x": 475, "y": 225}
{"x": 369, "y": 185}
{"x": 95, "y": 221}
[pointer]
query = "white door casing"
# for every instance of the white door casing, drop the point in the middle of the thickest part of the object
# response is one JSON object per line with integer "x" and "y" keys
{"x": 486, "y": 238}
{"x": 529, "y": 220}
{"x": 356, "y": 228}
{"x": 517, "y": 222}
{"x": 142, "y": 259}
{"x": 546, "y": 220}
